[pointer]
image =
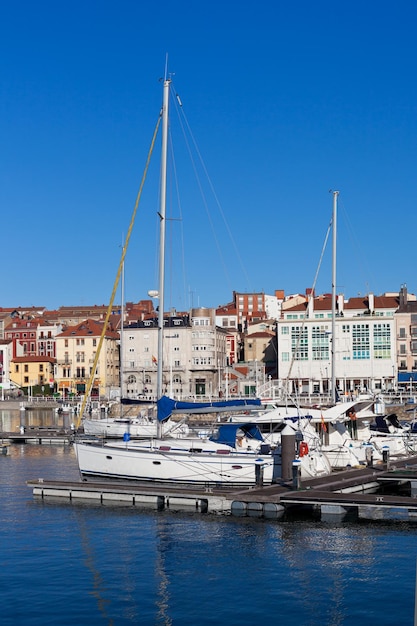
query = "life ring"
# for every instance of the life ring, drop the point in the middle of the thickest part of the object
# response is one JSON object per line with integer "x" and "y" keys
{"x": 303, "y": 448}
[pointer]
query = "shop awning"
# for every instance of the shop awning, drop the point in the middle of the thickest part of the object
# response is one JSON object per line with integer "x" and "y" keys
{"x": 406, "y": 377}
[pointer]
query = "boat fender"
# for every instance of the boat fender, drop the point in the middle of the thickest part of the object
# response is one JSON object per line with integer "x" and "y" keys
{"x": 303, "y": 448}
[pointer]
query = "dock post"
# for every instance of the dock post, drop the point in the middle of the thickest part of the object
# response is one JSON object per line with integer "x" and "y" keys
{"x": 296, "y": 473}
{"x": 259, "y": 473}
{"x": 277, "y": 464}
{"x": 385, "y": 456}
{"x": 369, "y": 455}
{"x": 287, "y": 452}
{"x": 415, "y": 601}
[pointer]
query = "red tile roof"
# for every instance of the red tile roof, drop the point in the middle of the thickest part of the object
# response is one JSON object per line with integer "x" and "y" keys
{"x": 33, "y": 359}
{"x": 88, "y": 328}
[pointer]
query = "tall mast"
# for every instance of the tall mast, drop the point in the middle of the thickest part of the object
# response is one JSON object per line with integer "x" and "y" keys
{"x": 162, "y": 212}
{"x": 333, "y": 345}
{"x": 122, "y": 354}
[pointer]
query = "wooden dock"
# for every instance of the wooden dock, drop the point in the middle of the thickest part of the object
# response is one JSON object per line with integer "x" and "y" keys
{"x": 368, "y": 493}
{"x": 39, "y": 436}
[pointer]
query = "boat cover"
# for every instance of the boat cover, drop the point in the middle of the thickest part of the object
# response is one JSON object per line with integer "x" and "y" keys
{"x": 167, "y": 406}
{"x": 226, "y": 433}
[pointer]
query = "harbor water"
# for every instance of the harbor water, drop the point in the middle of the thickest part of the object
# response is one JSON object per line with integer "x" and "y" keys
{"x": 75, "y": 563}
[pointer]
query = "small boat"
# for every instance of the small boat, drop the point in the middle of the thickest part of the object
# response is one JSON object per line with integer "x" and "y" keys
{"x": 65, "y": 408}
{"x": 139, "y": 427}
{"x": 386, "y": 431}
{"x": 325, "y": 431}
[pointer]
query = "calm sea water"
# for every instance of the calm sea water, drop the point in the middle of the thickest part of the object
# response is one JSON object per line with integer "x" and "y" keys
{"x": 74, "y": 564}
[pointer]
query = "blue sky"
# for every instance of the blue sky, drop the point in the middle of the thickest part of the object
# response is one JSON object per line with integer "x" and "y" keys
{"x": 285, "y": 101}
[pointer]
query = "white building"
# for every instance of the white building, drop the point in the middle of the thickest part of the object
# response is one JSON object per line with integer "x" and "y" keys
{"x": 364, "y": 344}
{"x": 194, "y": 356}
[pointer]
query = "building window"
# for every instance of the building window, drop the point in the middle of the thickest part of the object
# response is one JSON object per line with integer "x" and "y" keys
{"x": 299, "y": 343}
{"x": 402, "y": 334}
{"x": 382, "y": 341}
{"x": 285, "y": 357}
{"x": 285, "y": 330}
{"x": 360, "y": 342}
{"x": 320, "y": 343}
{"x": 26, "y": 368}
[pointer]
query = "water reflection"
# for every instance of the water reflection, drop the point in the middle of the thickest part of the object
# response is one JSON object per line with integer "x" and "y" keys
{"x": 130, "y": 566}
{"x": 12, "y": 419}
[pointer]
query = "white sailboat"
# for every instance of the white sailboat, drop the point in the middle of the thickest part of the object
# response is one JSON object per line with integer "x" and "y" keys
{"x": 232, "y": 457}
{"x": 137, "y": 427}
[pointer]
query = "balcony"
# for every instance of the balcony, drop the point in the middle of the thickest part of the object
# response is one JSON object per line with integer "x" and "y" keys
{"x": 64, "y": 362}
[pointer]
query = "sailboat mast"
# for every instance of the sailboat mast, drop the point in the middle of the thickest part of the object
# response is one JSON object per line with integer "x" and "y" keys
{"x": 162, "y": 213}
{"x": 333, "y": 346}
{"x": 122, "y": 352}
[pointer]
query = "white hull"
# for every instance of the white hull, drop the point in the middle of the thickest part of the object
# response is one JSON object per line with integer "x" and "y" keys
{"x": 113, "y": 428}
{"x": 141, "y": 428}
{"x": 192, "y": 461}
{"x": 399, "y": 445}
{"x": 168, "y": 462}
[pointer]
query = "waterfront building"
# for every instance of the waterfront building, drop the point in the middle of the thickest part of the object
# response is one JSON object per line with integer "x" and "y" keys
{"x": 23, "y": 333}
{"x": 45, "y": 338}
{"x": 31, "y": 371}
{"x": 365, "y": 344}
{"x": 406, "y": 341}
{"x": 194, "y": 356}
{"x": 76, "y": 350}
{"x": 5, "y": 367}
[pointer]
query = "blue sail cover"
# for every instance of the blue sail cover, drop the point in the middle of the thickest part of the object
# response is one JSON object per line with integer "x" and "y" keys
{"x": 166, "y": 406}
{"x": 226, "y": 433}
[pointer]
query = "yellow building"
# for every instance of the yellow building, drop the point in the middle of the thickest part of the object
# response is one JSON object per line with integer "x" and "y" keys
{"x": 76, "y": 349}
{"x": 32, "y": 371}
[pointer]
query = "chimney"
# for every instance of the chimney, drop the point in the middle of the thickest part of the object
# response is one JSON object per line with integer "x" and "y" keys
{"x": 371, "y": 303}
{"x": 340, "y": 304}
{"x": 310, "y": 303}
{"x": 403, "y": 296}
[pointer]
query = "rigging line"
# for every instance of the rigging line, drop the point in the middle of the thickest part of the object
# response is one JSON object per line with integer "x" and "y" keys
{"x": 119, "y": 271}
{"x": 199, "y": 184}
{"x": 310, "y": 296}
{"x": 359, "y": 255}
{"x": 180, "y": 219}
{"x": 219, "y": 206}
